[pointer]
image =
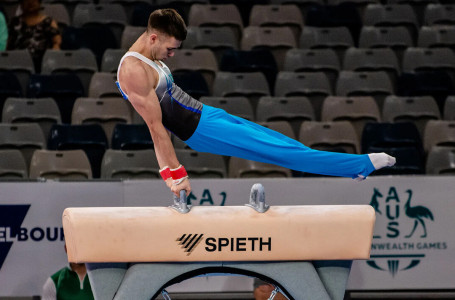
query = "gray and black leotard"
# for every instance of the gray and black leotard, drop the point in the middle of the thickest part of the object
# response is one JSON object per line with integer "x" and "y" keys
{"x": 180, "y": 112}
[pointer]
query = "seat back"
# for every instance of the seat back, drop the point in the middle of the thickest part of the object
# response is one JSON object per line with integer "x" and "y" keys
{"x": 72, "y": 164}
{"x": 12, "y": 165}
{"x": 134, "y": 164}
{"x": 43, "y": 111}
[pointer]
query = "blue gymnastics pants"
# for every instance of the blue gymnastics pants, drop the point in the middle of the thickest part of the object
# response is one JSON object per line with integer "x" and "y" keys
{"x": 221, "y": 133}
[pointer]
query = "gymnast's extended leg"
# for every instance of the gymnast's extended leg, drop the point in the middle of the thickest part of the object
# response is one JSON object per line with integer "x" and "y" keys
{"x": 221, "y": 133}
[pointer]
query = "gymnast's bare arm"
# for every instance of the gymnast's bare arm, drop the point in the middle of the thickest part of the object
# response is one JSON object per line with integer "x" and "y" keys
{"x": 138, "y": 81}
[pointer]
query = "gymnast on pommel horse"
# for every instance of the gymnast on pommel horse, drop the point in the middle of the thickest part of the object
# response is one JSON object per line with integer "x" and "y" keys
{"x": 304, "y": 251}
{"x": 145, "y": 81}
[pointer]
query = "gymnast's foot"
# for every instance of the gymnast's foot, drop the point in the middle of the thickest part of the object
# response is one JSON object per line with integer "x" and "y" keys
{"x": 379, "y": 161}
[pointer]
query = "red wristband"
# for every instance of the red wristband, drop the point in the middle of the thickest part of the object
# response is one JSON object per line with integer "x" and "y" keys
{"x": 178, "y": 173}
{"x": 165, "y": 173}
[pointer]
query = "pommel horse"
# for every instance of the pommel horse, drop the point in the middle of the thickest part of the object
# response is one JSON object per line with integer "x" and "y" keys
{"x": 136, "y": 252}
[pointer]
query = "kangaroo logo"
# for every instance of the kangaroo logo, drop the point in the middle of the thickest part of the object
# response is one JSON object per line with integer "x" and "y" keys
{"x": 390, "y": 208}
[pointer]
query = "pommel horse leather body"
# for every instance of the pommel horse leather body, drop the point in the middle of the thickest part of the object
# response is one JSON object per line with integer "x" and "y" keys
{"x": 230, "y": 233}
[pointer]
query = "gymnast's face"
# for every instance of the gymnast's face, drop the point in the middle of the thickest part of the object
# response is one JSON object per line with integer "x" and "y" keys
{"x": 163, "y": 46}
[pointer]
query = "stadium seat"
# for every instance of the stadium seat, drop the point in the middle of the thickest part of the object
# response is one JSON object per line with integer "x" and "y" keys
{"x": 63, "y": 88}
{"x": 379, "y": 15}
{"x": 338, "y": 39}
{"x": 43, "y": 111}
{"x": 12, "y": 165}
{"x": 330, "y": 136}
{"x": 90, "y": 138}
{"x": 437, "y": 37}
{"x": 192, "y": 82}
{"x": 200, "y": 60}
{"x": 133, "y": 164}
{"x": 79, "y": 62}
{"x": 69, "y": 165}
{"x": 397, "y": 38}
{"x": 276, "y": 39}
{"x": 242, "y": 168}
{"x": 102, "y": 85}
{"x": 424, "y": 59}
{"x": 287, "y": 15}
{"x": 441, "y": 161}
{"x": 438, "y": 84}
{"x": 24, "y": 137}
{"x": 304, "y": 5}
{"x": 237, "y": 106}
{"x": 357, "y": 110}
{"x": 112, "y": 15}
{"x": 111, "y": 59}
{"x": 401, "y": 140}
{"x": 376, "y": 84}
{"x": 439, "y": 133}
{"x": 9, "y": 87}
{"x": 293, "y": 110}
{"x": 217, "y": 39}
{"x": 251, "y": 85}
{"x": 440, "y": 14}
{"x": 58, "y": 12}
{"x": 313, "y": 60}
{"x": 343, "y": 15}
{"x": 104, "y": 111}
{"x": 250, "y": 61}
{"x": 131, "y": 137}
{"x": 202, "y": 165}
{"x": 20, "y": 63}
{"x": 97, "y": 38}
{"x": 418, "y": 110}
{"x": 130, "y": 35}
{"x": 367, "y": 60}
{"x": 203, "y": 15}
{"x": 313, "y": 85}
{"x": 391, "y": 135}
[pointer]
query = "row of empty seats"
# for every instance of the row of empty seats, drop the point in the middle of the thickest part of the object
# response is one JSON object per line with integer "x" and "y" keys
{"x": 401, "y": 139}
{"x": 294, "y": 110}
{"x": 120, "y": 13}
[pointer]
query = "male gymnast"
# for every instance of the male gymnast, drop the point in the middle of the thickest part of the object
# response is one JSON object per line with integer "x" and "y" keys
{"x": 147, "y": 83}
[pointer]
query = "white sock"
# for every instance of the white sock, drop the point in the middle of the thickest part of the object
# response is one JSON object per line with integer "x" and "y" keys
{"x": 381, "y": 160}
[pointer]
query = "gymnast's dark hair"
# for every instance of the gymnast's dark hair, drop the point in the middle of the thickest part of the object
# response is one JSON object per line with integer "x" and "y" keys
{"x": 168, "y": 21}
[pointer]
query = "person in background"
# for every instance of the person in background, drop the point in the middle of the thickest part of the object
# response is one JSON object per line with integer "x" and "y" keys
{"x": 3, "y": 31}
{"x": 68, "y": 283}
{"x": 34, "y": 31}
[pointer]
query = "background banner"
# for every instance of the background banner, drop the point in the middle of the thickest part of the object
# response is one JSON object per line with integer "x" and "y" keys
{"x": 413, "y": 244}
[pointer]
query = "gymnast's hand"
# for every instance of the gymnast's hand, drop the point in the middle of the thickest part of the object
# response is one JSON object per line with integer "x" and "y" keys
{"x": 176, "y": 188}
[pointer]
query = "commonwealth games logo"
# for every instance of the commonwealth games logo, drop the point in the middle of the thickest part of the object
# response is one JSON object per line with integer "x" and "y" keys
{"x": 403, "y": 230}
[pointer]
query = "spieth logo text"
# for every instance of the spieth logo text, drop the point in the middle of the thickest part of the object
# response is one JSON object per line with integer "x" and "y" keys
{"x": 189, "y": 242}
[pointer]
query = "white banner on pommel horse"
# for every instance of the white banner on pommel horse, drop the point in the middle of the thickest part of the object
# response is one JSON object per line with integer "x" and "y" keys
{"x": 412, "y": 248}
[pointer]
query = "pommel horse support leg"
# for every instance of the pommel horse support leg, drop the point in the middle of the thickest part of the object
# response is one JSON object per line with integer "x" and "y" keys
{"x": 136, "y": 252}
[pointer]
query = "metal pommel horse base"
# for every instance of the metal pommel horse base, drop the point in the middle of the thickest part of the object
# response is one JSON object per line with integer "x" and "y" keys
{"x": 136, "y": 252}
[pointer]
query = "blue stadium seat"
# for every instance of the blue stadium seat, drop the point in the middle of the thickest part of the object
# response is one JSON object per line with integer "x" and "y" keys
{"x": 63, "y": 88}
{"x": 90, "y": 138}
{"x": 401, "y": 140}
{"x": 9, "y": 87}
{"x": 97, "y": 38}
{"x": 192, "y": 82}
{"x": 250, "y": 61}
{"x": 438, "y": 84}
{"x": 342, "y": 15}
{"x": 131, "y": 137}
